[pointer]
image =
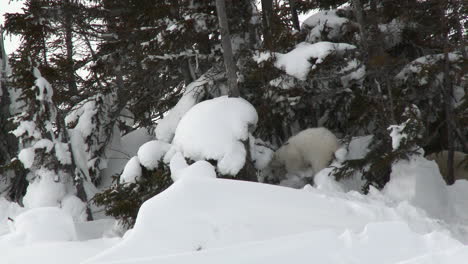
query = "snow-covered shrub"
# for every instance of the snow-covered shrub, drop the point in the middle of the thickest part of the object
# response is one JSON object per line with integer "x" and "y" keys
{"x": 124, "y": 198}
{"x": 45, "y": 150}
{"x": 215, "y": 130}
{"x": 304, "y": 154}
{"x": 383, "y": 151}
{"x": 422, "y": 82}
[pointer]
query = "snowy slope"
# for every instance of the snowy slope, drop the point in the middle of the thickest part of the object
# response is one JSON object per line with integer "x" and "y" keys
{"x": 202, "y": 220}
{"x": 209, "y": 220}
{"x": 386, "y": 242}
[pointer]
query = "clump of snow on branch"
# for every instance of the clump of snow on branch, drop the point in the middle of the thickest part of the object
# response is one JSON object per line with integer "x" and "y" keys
{"x": 354, "y": 71}
{"x": 297, "y": 62}
{"x": 150, "y": 153}
{"x": 397, "y": 135}
{"x": 83, "y": 115}
{"x": 44, "y": 88}
{"x": 214, "y": 129}
{"x": 327, "y": 23}
{"x": 132, "y": 171}
{"x": 421, "y": 66}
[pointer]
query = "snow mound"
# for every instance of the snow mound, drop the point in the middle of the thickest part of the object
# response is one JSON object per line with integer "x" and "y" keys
{"x": 69, "y": 252}
{"x": 198, "y": 214}
{"x": 39, "y": 225}
{"x": 7, "y": 210}
{"x": 214, "y": 129}
{"x": 152, "y": 152}
{"x": 383, "y": 243}
{"x": 419, "y": 182}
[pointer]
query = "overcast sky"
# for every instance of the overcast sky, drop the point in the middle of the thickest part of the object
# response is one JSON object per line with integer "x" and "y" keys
{"x": 10, "y": 6}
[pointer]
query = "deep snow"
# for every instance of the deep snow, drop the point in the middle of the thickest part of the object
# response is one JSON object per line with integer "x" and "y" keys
{"x": 202, "y": 219}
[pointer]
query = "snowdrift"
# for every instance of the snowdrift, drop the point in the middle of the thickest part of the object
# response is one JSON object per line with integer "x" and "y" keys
{"x": 203, "y": 220}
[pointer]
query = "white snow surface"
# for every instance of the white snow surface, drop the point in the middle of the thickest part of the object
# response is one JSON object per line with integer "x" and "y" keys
{"x": 207, "y": 220}
{"x": 7, "y": 210}
{"x": 70, "y": 252}
{"x": 214, "y": 129}
{"x": 416, "y": 219}
{"x": 40, "y": 224}
{"x": 419, "y": 182}
{"x": 74, "y": 207}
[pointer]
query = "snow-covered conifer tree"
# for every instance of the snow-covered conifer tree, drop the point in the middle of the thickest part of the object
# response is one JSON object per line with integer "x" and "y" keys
{"x": 45, "y": 149}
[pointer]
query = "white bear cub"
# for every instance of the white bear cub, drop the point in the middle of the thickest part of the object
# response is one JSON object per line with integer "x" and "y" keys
{"x": 305, "y": 154}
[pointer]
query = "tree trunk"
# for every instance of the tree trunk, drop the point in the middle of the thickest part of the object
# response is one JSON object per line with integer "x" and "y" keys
{"x": 228, "y": 57}
{"x": 267, "y": 12}
{"x": 5, "y": 154}
{"x": 357, "y": 9}
{"x": 68, "y": 27}
{"x": 248, "y": 172}
{"x": 449, "y": 115}
{"x": 295, "y": 17}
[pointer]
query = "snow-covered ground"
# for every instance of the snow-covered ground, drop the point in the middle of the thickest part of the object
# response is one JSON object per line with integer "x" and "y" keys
{"x": 209, "y": 220}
